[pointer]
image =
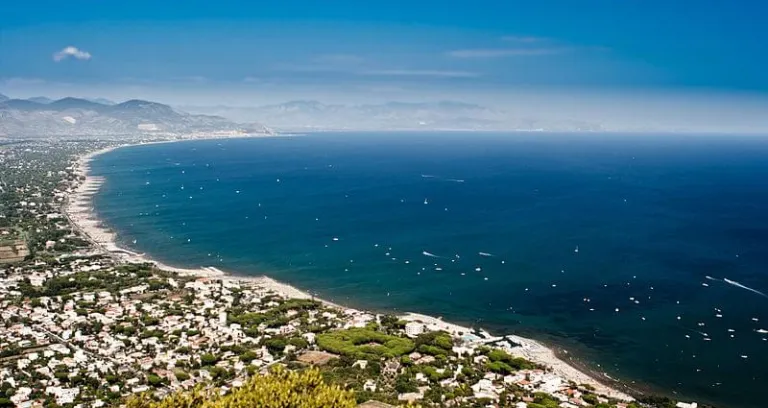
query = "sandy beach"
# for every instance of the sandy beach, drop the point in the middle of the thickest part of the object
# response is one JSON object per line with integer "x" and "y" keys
{"x": 79, "y": 210}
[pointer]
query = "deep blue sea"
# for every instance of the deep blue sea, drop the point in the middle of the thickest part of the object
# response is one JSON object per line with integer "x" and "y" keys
{"x": 612, "y": 246}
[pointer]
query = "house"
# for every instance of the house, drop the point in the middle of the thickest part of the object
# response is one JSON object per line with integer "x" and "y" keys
{"x": 413, "y": 329}
{"x": 391, "y": 367}
{"x": 360, "y": 363}
{"x": 410, "y": 396}
{"x": 369, "y": 385}
{"x": 485, "y": 389}
{"x": 461, "y": 351}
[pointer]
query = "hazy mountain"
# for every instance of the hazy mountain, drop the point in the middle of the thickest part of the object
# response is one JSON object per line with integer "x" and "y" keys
{"x": 82, "y": 117}
{"x": 3, "y": 98}
{"x": 314, "y": 115}
{"x": 75, "y": 103}
{"x": 21, "y": 104}
{"x": 102, "y": 101}
{"x": 40, "y": 99}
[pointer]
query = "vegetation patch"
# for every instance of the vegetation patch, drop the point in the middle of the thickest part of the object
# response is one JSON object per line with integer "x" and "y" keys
{"x": 280, "y": 389}
{"x": 503, "y": 363}
{"x": 438, "y": 343}
{"x": 364, "y": 344}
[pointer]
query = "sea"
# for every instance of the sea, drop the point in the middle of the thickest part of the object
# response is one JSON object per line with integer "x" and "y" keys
{"x": 644, "y": 256}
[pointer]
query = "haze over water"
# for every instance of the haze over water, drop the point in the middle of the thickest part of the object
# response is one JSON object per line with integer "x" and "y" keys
{"x": 600, "y": 243}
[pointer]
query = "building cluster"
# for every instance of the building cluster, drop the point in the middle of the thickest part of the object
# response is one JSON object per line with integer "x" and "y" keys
{"x": 90, "y": 331}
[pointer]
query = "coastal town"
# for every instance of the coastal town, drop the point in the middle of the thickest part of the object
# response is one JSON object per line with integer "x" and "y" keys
{"x": 88, "y": 324}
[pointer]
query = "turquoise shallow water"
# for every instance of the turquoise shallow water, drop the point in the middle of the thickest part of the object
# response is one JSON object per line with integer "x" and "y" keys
{"x": 651, "y": 216}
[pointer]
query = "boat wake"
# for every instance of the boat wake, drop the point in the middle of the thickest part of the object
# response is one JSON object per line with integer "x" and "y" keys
{"x": 738, "y": 285}
{"x": 452, "y": 180}
{"x": 431, "y": 255}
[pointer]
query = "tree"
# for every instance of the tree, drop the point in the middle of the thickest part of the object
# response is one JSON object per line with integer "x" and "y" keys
{"x": 279, "y": 389}
{"x": 248, "y": 356}
{"x": 208, "y": 359}
{"x": 181, "y": 375}
{"x": 404, "y": 383}
{"x": 298, "y": 342}
{"x": 590, "y": 399}
{"x": 154, "y": 380}
{"x": 276, "y": 344}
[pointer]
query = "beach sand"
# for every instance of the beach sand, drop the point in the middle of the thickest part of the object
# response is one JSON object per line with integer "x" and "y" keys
{"x": 79, "y": 210}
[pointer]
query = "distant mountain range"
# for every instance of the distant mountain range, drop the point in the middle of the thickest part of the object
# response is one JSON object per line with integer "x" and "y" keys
{"x": 445, "y": 115}
{"x": 45, "y": 100}
{"x": 43, "y": 117}
{"x": 40, "y": 99}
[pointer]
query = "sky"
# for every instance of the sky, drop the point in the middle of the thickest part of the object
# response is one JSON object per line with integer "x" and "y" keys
{"x": 498, "y": 53}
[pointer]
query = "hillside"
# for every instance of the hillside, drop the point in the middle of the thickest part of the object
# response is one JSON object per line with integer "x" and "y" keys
{"x": 80, "y": 117}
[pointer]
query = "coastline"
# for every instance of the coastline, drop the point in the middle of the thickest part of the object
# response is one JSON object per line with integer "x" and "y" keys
{"x": 78, "y": 208}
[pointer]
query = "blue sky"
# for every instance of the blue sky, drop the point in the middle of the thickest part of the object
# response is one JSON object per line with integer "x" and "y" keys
{"x": 257, "y": 52}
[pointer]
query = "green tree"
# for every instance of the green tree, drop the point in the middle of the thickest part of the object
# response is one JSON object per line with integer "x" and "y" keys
{"x": 208, "y": 359}
{"x": 276, "y": 345}
{"x": 154, "y": 380}
{"x": 298, "y": 342}
{"x": 404, "y": 384}
{"x": 280, "y": 389}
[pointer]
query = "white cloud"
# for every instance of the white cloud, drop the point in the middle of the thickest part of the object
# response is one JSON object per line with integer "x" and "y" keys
{"x": 422, "y": 73}
{"x": 505, "y": 52}
{"x": 73, "y": 52}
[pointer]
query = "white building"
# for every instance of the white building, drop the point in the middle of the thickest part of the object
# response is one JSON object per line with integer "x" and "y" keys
{"x": 413, "y": 329}
{"x": 369, "y": 385}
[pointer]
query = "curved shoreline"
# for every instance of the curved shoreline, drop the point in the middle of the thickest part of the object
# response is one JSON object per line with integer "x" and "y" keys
{"x": 78, "y": 208}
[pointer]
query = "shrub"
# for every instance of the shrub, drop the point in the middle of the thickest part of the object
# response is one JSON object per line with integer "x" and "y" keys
{"x": 281, "y": 388}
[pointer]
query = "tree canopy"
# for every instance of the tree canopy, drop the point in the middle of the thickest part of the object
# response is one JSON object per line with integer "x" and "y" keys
{"x": 281, "y": 388}
{"x": 364, "y": 344}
